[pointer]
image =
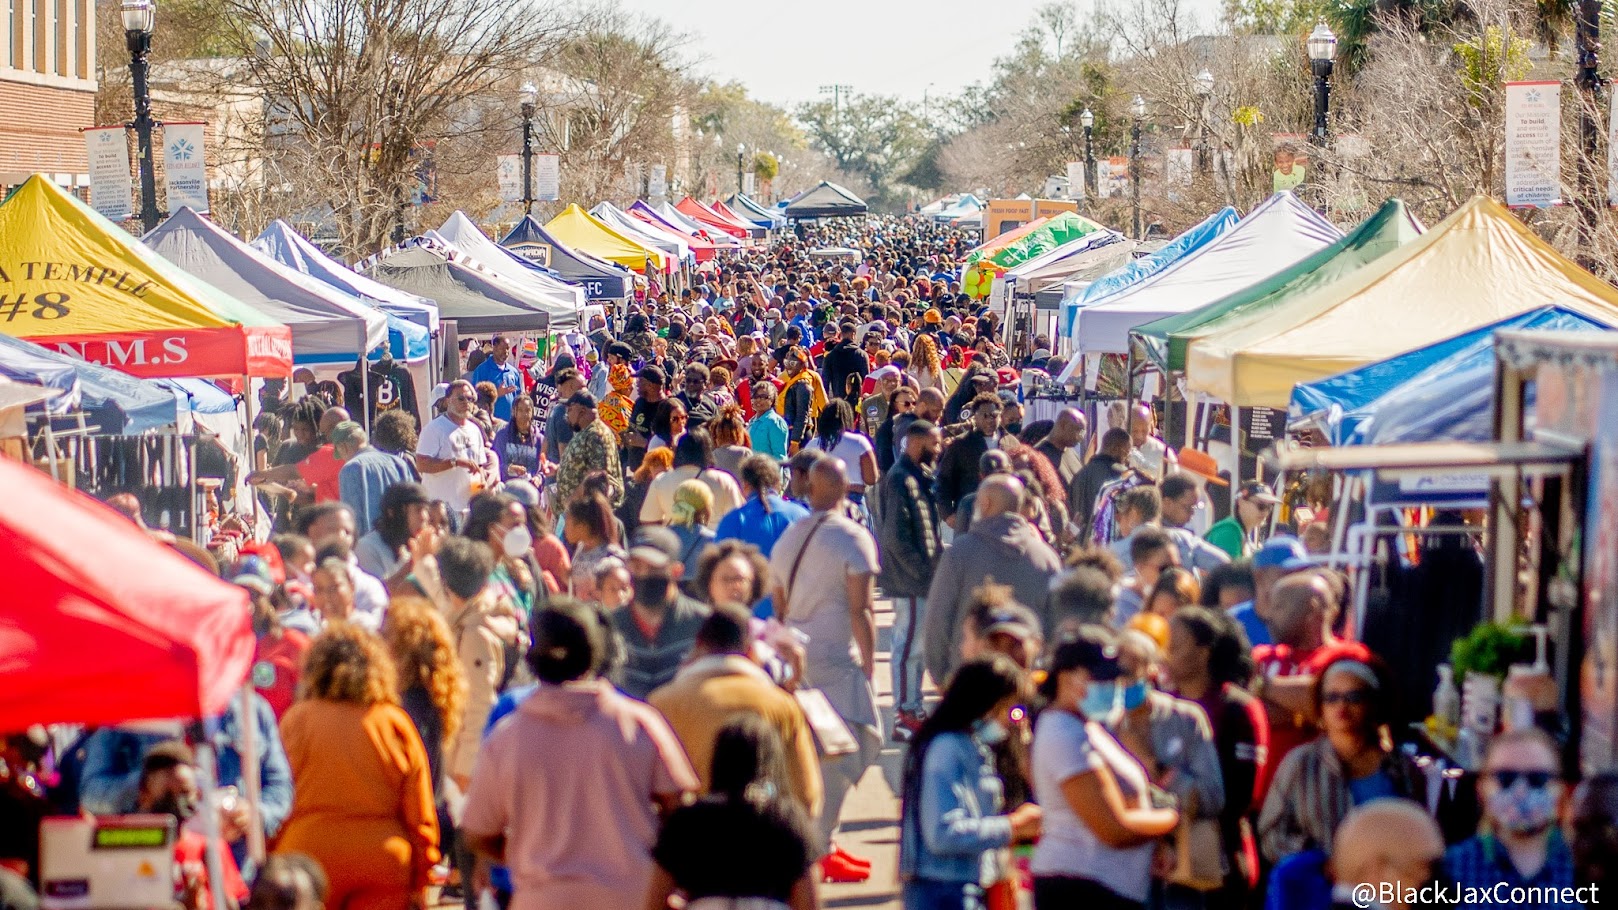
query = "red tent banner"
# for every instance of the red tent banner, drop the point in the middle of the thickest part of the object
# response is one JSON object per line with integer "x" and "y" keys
{"x": 100, "y": 624}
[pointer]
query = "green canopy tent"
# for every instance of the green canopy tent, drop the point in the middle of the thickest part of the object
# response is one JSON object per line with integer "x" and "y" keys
{"x": 1057, "y": 231}
{"x": 1167, "y": 340}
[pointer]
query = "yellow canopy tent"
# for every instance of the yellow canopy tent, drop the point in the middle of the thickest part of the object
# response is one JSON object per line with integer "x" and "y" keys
{"x": 1476, "y": 267}
{"x": 582, "y": 231}
{"x": 73, "y": 281}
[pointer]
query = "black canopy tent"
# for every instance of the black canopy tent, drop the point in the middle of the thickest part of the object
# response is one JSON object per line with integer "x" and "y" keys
{"x": 477, "y": 301}
{"x": 827, "y": 200}
{"x": 600, "y": 279}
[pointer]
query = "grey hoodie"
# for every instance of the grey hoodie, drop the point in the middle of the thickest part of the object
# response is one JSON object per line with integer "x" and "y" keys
{"x": 1005, "y": 549}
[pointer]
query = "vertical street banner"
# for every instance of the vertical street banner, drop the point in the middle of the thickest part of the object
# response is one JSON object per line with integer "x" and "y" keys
{"x": 749, "y": 179}
{"x": 184, "y": 169}
{"x": 508, "y": 170}
{"x": 1533, "y": 144}
{"x": 111, "y": 190}
{"x": 659, "y": 183}
{"x": 1612, "y": 150}
{"x": 547, "y": 177}
{"x": 1075, "y": 180}
{"x": 1178, "y": 165}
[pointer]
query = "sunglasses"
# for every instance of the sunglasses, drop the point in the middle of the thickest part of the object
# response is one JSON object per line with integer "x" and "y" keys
{"x": 1537, "y": 780}
{"x": 1356, "y": 697}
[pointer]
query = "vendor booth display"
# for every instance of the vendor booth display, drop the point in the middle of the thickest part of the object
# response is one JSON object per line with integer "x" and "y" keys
{"x": 77, "y": 283}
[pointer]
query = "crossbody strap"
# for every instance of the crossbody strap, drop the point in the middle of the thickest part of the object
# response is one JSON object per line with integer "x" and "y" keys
{"x": 797, "y": 561}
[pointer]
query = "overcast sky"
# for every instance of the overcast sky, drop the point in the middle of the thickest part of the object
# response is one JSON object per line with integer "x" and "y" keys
{"x": 891, "y": 47}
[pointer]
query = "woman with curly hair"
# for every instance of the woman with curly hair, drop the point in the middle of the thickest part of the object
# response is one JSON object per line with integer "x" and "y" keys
{"x": 925, "y": 365}
{"x": 432, "y": 686}
{"x": 731, "y": 444}
{"x": 362, "y": 802}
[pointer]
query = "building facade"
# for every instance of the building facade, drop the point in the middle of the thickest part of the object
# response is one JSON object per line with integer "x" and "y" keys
{"x": 47, "y": 89}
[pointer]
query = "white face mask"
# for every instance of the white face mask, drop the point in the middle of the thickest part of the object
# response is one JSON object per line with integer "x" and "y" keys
{"x": 517, "y": 541}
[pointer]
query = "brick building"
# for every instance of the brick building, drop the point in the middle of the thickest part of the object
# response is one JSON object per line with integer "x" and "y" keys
{"x": 47, "y": 89}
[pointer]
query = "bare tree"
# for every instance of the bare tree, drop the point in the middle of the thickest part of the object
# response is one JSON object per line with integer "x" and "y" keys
{"x": 360, "y": 91}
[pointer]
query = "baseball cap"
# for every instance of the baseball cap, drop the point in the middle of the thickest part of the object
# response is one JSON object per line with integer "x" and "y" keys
{"x": 345, "y": 432}
{"x": 656, "y": 546}
{"x": 881, "y": 373}
{"x": 1282, "y": 552}
{"x": 1257, "y": 491}
{"x": 253, "y": 573}
{"x": 1017, "y": 622}
{"x": 1093, "y": 649}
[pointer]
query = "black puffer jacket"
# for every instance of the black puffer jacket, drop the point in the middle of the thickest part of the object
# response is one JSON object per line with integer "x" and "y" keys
{"x": 907, "y": 529}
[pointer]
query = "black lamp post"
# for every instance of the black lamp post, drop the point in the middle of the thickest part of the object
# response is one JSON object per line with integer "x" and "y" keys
{"x": 528, "y": 94}
{"x": 1088, "y": 120}
{"x": 1203, "y": 83}
{"x": 740, "y": 148}
{"x": 1138, "y": 109}
{"x": 139, "y": 16}
{"x": 1322, "y": 45}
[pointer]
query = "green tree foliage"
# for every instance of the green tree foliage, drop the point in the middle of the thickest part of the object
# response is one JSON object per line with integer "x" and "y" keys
{"x": 875, "y": 137}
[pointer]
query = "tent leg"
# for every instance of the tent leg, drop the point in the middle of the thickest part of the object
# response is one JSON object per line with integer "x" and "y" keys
{"x": 208, "y": 778}
{"x": 1236, "y": 452}
{"x": 247, "y": 385}
{"x": 365, "y": 392}
{"x": 1192, "y": 406}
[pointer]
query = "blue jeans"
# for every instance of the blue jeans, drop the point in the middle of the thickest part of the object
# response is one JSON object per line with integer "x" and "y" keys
{"x": 921, "y": 894}
{"x": 905, "y": 663}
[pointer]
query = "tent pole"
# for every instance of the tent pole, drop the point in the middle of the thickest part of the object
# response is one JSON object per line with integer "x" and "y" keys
{"x": 365, "y": 392}
{"x": 247, "y": 386}
{"x": 1235, "y": 452}
{"x": 208, "y": 778}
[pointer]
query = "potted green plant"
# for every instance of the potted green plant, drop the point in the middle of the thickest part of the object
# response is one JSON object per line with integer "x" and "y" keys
{"x": 1489, "y": 649}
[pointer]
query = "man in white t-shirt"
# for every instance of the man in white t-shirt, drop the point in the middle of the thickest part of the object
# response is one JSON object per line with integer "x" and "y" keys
{"x": 451, "y": 454}
{"x": 1150, "y": 456}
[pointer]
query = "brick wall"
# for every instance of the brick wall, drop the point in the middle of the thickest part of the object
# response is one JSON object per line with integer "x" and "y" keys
{"x": 42, "y": 130}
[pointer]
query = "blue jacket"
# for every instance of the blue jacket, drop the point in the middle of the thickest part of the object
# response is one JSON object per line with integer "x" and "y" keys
{"x": 951, "y": 830}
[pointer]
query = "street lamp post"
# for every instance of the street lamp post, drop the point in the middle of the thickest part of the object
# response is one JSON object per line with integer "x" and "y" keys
{"x": 1088, "y": 121}
{"x": 1203, "y": 83}
{"x": 740, "y": 148}
{"x": 1322, "y": 45}
{"x": 139, "y": 16}
{"x": 1138, "y": 109}
{"x": 529, "y": 93}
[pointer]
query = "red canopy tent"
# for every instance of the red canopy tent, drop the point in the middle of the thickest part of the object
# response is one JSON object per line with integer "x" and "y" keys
{"x": 100, "y": 624}
{"x": 701, "y": 214}
{"x": 725, "y": 211}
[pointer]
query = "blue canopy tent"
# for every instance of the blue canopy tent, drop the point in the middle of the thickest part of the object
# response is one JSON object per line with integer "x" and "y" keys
{"x": 1441, "y": 392}
{"x": 114, "y": 402}
{"x": 601, "y": 280}
{"x": 1194, "y": 238}
{"x": 411, "y": 320}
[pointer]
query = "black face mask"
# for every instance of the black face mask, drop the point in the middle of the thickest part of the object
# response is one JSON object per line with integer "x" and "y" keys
{"x": 929, "y": 457}
{"x": 652, "y": 591}
{"x": 1013, "y": 429}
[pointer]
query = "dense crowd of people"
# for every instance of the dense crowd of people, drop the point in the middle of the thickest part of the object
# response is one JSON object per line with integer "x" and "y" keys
{"x": 601, "y": 633}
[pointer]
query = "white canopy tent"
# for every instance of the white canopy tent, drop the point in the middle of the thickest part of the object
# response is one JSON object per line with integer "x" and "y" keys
{"x": 680, "y": 220}
{"x": 1279, "y": 232}
{"x": 328, "y": 326}
{"x": 564, "y": 302}
{"x": 643, "y": 233}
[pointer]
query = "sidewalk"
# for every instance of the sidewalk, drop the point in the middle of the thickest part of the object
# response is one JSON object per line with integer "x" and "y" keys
{"x": 871, "y": 813}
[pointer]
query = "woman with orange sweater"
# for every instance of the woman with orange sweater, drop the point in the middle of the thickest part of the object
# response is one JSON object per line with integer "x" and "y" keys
{"x": 362, "y": 800}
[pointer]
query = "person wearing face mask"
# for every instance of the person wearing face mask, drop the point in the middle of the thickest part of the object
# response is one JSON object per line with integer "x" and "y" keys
{"x": 168, "y": 786}
{"x": 1173, "y": 741}
{"x": 1100, "y": 823}
{"x": 500, "y": 521}
{"x": 659, "y": 626}
{"x": 952, "y": 824}
{"x": 1521, "y": 845}
{"x": 907, "y": 537}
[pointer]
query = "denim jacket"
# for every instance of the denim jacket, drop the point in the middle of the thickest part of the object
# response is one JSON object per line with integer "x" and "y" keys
{"x": 952, "y": 828}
